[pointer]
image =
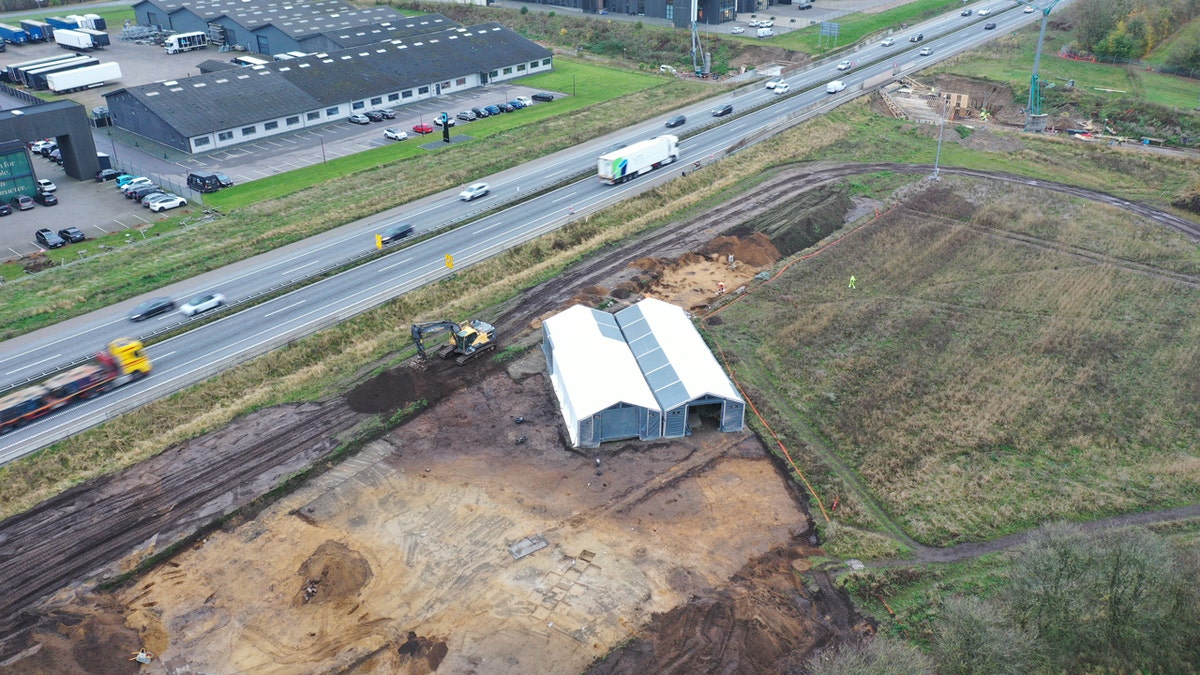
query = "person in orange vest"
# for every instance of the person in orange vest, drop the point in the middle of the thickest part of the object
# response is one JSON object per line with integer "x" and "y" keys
{"x": 720, "y": 288}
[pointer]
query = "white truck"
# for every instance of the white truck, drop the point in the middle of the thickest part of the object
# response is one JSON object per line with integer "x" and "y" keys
{"x": 765, "y": 32}
{"x": 634, "y": 160}
{"x": 185, "y": 42}
{"x": 72, "y": 39}
{"x": 83, "y": 78}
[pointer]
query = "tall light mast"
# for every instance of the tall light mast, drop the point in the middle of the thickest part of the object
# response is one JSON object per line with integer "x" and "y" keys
{"x": 1035, "y": 119}
{"x": 697, "y": 56}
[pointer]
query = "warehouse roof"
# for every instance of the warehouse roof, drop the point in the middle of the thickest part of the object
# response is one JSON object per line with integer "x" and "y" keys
{"x": 675, "y": 360}
{"x": 595, "y": 365}
{"x": 230, "y": 99}
{"x": 396, "y": 28}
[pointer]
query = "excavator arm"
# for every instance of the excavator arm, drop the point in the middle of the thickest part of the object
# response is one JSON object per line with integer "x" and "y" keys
{"x": 422, "y": 330}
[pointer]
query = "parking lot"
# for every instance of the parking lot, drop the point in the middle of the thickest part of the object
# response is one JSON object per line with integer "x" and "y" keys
{"x": 99, "y": 208}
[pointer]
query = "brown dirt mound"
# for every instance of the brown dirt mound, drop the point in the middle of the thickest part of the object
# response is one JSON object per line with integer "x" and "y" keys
{"x": 431, "y": 381}
{"x": 422, "y": 651}
{"x": 91, "y": 639}
{"x": 333, "y": 572}
{"x": 755, "y": 249}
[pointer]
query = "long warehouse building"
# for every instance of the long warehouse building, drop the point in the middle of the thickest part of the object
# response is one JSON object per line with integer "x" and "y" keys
{"x": 225, "y": 108}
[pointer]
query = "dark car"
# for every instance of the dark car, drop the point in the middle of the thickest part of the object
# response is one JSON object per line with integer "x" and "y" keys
{"x": 388, "y": 113}
{"x": 137, "y": 193}
{"x": 5, "y": 210}
{"x": 492, "y": 110}
{"x": 989, "y": 26}
{"x": 152, "y": 307}
{"x": 965, "y": 12}
{"x": 917, "y": 38}
{"x": 505, "y": 107}
{"x": 224, "y": 180}
{"x": 480, "y": 113}
{"x": 395, "y": 233}
{"x": 804, "y": 5}
{"x": 73, "y": 235}
{"x": 45, "y": 199}
{"x": 542, "y": 96}
{"x": 722, "y": 110}
{"x": 49, "y": 239}
{"x": 21, "y": 202}
{"x": 676, "y": 121}
{"x": 374, "y": 115}
{"x": 56, "y": 156}
{"x": 104, "y": 175}
{"x": 47, "y": 149}
{"x": 516, "y": 105}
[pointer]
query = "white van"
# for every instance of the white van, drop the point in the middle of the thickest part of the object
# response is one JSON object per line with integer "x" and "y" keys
{"x": 834, "y": 87}
{"x": 765, "y": 32}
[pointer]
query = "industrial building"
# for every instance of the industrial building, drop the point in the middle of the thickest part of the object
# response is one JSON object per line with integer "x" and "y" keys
{"x": 643, "y": 373}
{"x": 224, "y": 108}
{"x": 280, "y": 26}
{"x": 677, "y": 11}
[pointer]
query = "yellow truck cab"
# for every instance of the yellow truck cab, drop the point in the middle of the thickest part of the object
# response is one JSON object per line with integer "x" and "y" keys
{"x": 130, "y": 356}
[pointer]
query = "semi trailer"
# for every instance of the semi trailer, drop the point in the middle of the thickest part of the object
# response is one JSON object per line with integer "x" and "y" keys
{"x": 185, "y": 42}
{"x": 72, "y": 39}
{"x": 634, "y": 160}
{"x": 83, "y": 78}
{"x": 12, "y": 34}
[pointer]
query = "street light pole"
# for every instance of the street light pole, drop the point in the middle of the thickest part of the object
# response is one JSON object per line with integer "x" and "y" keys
{"x": 941, "y": 127}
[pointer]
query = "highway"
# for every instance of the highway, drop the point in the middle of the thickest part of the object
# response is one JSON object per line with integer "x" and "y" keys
{"x": 503, "y": 219}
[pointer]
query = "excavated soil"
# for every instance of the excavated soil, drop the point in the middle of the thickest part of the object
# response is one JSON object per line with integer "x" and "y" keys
{"x": 400, "y": 559}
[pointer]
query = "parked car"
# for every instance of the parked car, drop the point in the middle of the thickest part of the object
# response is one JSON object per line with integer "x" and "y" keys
{"x": 124, "y": 178}
{"x": 753, "y": 23}
{"x": 359, "y": 119}
{"x": 925, "y": 51}
{"x": 37, "y": 146}
{"x": 21, "y": 202}
{"x": 965, "y": 12}
{"x": 492, "y": 109}
{"x": 524, "y": 100}
{"x": 479, "y": 112}
{"x": 396, "y": 232}
{"x": 49, "y": 239}
{"x": 55, "y": 156}
{"x": 676, "y": 121}
{"x": 5, "y": 209}
{"x": 45, "y": 198}
{"x": 766, "y": 24}
{"x": 46, "y": 149}
{"x": 505, "y": 107}
{"x": 223, "y": 180}
{"x": 171, "y": 202}
{"x": 844, "y": 65}
{"x": 917, "y": 38}
{"x": 104, "y": 175}
{"x": 151, "y": 307}
{"x": 722, "y": 110}
{"x": 46, "y": 185}
{"x": 125, "y": 182}
{"x": 202, "y": 303}
{"x": 989, "y": 26}
{"x": 773, "y": 81}
{"x": 887, "y": 42}
{"x": 72, "y": 235}
{"x": 515, "y": 104}
{"x": 782, "y": 88}
{"x": 137, "y": 193}
{"x": 388, "y": 113}
{"x": 737, "y": 30}
{"x": 374, "y": 115}
{"x": 543, "y": 96}
{"x": 152, "y": 197}
{"x": 804, "y": 5}
{"x": 448, "y": 122}
{"x": 423, "y": 128}
{"x": 474, "y": 190}
{"x": 466, "y": 116}
{"x": 393, "y": 134}
{"x": 135, "y": 184}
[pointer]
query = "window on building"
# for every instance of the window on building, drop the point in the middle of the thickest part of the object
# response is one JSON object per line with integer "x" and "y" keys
{"x": 313, "y": 116}
{"x": 249, "y": 131}
{"x": 407, "y": 94}
{"x": 422, "y": 90}
{"x": 508, "y": 71}
{"x": 533, "y": 64}
{"x": 521, "y": 68}
{"x": 198, "y": 142}
{"x": 393, "y": 97}
{"x": 358, "y": 105}
{"x": 293, "y": 121}
{"x": 546, "y": 62}
{"x": 378, "y": 100}
{"x": 460, "y": 82}
{"x": 494, "y": 74}
{"x": 267, "y": 126}
{"x": 225, "y": 136}
{"x": 670, "y": 9}
{"x": 330, "y": 112}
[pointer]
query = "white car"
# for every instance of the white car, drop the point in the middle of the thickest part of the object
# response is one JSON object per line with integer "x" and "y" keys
{"x": 438, "y": 121}
{"x": 834, "y": 87}
{"x": 887, "y": 42}
{"x": 985, "y": 11}
{"x": 782, "y": 88}
{"x": 774, "y": 82}
{"x": 135, "y": 184}
{"x": 169, "y": 202}
{"x": 845, "y": 65}
{"x": 524, "y": 100}
{"x": 754, "y": 23}
{"x": 737, "y": 30}
{"x": 38, "y": 145}
{"x": 766, "y": 24}
{"x": 201, "y": 303}
{"x": 473, "y": 191}
{"x": 925, "y": 51}
{"x": 395, "y": 134}
{"x": 1029, "y": 9}
{"x": 46, "y": 185}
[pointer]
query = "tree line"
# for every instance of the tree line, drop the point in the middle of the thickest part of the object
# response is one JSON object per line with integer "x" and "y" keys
{"x": 1131, "y": 29}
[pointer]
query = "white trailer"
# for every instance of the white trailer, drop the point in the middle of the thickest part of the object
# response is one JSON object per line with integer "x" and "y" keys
{"x": 72, "y": 39}
{"x": 185, "y": 42}
{"x": 84, "y": 78}
{"x": 632, "y": 161}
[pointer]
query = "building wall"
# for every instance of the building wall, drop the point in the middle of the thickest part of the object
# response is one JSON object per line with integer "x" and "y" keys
{"x": 129, "y": 114}
{"x": 276, "y": 42}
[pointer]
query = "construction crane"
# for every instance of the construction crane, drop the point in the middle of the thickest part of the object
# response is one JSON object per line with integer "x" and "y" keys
{"x": 467, "y": 341}
{"x": 699, "y": 67}
{"x": 1035, "y": 119}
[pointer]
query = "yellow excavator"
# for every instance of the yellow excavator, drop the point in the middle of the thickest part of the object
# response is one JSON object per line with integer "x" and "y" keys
{"x": 467, "y": 341}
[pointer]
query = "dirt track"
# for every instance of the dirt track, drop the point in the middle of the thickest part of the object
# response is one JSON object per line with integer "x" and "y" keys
{"x": 108, "y": 524}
